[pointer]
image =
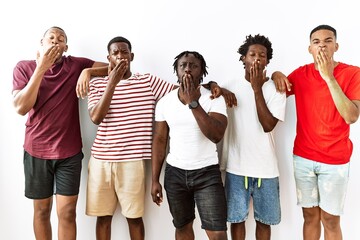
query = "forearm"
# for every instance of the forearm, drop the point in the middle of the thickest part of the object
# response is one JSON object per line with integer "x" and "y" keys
{"x": 346, "y": 108}
{"x": 158, "y": 152}
{"x": 157, "y": 161}
{"x": 25, "y": 99}
{"x": 101, "y": 108}
{"x": 209, "y": 84}
{"x": 266, "y": 119}
{"x": 211, "y": 127}
{"x": 98, "y": 71}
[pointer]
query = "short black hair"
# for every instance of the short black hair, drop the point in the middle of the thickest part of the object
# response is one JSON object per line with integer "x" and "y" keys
{"x": 198, "y": 56}
{"x": 118, "y": 39}
{"x": 257, "y": 39}
{"x": 325, "y": 27}
{"x": 56, "y": 27}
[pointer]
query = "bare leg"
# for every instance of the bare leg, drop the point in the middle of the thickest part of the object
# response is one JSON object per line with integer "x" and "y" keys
{"x": 238, "y": 231}
{"x": 263, "y": 231}
{"x": 185, "y": 233}
{"x": 331, "y": 223}
{"x": 41, "y": 221}
{"x": 66, "y": 211}
{"x": 136, "y": 228}
{"x": 312, "y": 225}
{"x": 103, "y": 228}
{"x": 216, "y": 235}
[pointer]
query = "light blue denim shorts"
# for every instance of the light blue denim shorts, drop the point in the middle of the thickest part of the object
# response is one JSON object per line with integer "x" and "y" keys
{"x": 265, "y": 195}
{"x": 320, "y": 184}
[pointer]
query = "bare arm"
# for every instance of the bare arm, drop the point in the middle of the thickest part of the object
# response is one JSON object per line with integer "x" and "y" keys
{"x": 100, "y": 109}
{"x": 212, "y": 125}
{"x": 257, "y": 80}
{"x": 217, "y": 91}
{"x": 25, "y": 99}
{"x": 281, "y": 82}
{"x": 266, "y": 119}
{"x": 159, "y": 144}
{"x": 230, "y": 98}
{"x": 348, "y": 109}
{"x": 98, "y": 69}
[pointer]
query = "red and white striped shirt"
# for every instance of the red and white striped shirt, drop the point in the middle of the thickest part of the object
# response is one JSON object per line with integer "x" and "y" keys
{"x": 125, "y": 134}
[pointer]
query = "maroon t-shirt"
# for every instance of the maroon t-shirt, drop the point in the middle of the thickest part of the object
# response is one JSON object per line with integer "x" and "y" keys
{"x": 53, "y": 127}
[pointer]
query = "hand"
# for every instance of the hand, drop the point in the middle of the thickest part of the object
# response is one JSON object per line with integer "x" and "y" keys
{"x": 156, "y": 193}
{"x": 46, "y": 60}
{"x": 325, "y": 65}
{"x": 188, "y": 91}
{"x": 82, "y": 85}
{"x": 257, "y": 76}
{"x": 281, "y": 82}
{"x": 118, "y": 72}
{"x": 215, "y": 90}
{"x": 229, "y": 97}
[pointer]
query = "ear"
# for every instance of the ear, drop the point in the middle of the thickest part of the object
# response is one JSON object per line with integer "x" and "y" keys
{"x": 309, "y": 50}
{"x": 66, "y": 48}
{"x": 132, "y": 57}
{"x": 336, "y": 47}
{"x": 41, "y": 42}
{"x": 242, "y": 58}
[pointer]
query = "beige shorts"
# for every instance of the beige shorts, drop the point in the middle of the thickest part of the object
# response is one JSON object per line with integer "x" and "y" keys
{"x": 110, "y": 183}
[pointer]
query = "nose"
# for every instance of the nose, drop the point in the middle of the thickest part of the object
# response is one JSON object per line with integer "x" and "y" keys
{"x": 322, "y": 44}
{"x": 188, "y": 68}
{"x": 55, "y": 41}
{"x": 257, "y": 59}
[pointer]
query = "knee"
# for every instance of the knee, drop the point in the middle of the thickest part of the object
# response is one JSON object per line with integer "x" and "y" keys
{"x": 103, "y": 221}
{"x": 135, "y": 221}
{"x": 262, "y": 226}
{"x": 217, "y": 235}
{"x": 330, "y": 221}
{"x": 311, "y": 214}
{"x": 67, "y": 214}
{"x": 42, "y": 211}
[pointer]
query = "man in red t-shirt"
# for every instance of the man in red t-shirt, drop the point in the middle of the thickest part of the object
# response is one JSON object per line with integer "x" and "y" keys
{"x": 327, "y": 97}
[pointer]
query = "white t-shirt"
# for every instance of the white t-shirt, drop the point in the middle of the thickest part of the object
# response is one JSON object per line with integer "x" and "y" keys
{"x": 247, "y": 149}
{"x": 189, "y": 148}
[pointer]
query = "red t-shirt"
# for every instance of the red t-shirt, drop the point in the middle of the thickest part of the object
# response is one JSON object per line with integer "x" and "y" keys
{"x": 322, "y": 134}
{"x": 52, "y": 127}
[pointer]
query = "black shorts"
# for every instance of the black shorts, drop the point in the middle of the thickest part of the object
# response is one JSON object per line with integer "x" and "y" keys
{"x": 44, "y": 177}
{"x": 203, "y": 188}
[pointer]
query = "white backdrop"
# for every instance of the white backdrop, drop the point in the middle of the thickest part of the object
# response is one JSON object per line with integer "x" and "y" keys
{"x": 159, "y": 30}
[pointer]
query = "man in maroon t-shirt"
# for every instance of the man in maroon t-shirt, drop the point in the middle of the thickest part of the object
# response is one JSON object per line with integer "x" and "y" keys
{"x": 45, "y": 90}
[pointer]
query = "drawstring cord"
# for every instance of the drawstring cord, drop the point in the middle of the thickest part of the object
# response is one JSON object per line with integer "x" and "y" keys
{"x": 247, "y": 182}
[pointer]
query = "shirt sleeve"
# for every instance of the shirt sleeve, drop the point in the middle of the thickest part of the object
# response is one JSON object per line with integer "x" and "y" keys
{"x": 95, "y": 93}
{"x": 159, "y": 87}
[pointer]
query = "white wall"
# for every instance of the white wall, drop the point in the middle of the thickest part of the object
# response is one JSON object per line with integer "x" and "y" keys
{"x": 159, "y": 30}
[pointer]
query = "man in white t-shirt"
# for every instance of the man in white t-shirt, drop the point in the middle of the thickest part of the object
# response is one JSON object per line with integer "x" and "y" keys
{"x": 249, "y": 148}
{"x": 195, "y": 123}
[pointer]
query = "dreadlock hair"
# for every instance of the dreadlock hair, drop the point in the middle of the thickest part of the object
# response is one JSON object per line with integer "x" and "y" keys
{"x": 257, "y": 39}
{"x": 118, "y": 39}
{"x": 198, "y": 56}
{"x": 58, "y": 28}
{"x": 323, "y": 27}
